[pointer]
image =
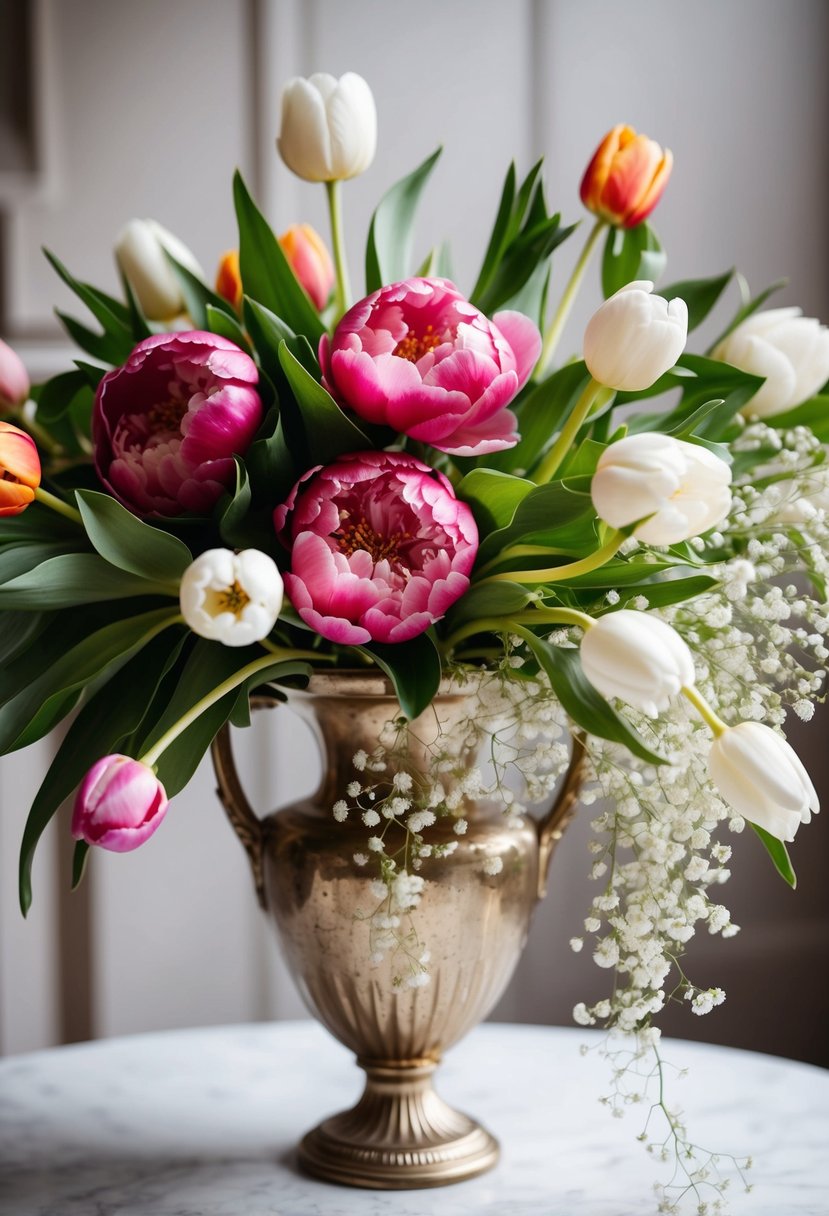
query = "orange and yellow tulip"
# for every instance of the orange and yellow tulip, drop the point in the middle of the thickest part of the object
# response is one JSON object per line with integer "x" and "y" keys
{"x": 625, "y": 179}
{"x": 19, "y": 469}
{"x": 307, "y": 256}
{"x": 229, "y": 280}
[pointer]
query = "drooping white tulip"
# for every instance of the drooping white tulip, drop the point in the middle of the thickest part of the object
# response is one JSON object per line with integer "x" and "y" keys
{"x": 682, "y": 487}
{"x": 761, "y": 777}
{"x": 635, "y": 337}
{"x": 638, "y": 658}
{"x": 791, "y": 351}
{"x": 329, "y": 127}
{"x": 230, "y": 597}
{"x": 140, "y": 254}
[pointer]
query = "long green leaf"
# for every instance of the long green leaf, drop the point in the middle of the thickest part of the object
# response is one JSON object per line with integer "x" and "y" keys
{"x": 493, "y": 497}
{"x": 498, "y": 237}
{"x": 699, "y": 294}
{"x": 545, "y": 507}
{"x": 779, "y": 855}
{"x": 413, "y": 668}
{"x": 111, "y": 314}
{"x": 584, "y": 704}
{"x": 266, "y": 274}
{"x": 130, "y": 544}
{"x": 390, "y": 236}
{"x": 540, "y": 414}
{"x": 99, "y": 730}
{"x": 72, "y": 579}
{"x": 631, "y": 254}
{"x": 328, "y": 431}
{"x": 198, "y": 296}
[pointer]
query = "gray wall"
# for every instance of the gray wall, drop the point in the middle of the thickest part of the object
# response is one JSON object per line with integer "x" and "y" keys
{"x": 145, "y": 110}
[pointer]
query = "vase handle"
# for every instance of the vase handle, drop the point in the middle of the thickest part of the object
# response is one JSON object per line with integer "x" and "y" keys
{"x": 551, "y": 827}
{"x": 243, "y": 819}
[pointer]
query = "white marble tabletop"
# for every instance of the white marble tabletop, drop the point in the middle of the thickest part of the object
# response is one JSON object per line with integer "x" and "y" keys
{"x": 204, "y": 1123}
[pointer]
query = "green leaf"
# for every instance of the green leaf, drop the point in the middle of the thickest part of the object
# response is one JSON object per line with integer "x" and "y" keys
{"x": 489, "y": 600}
{"x": 47, "y": 698}
{"x": 545, "y": 507}
{"x": 269, "y": 463}
{"x": 198, "y": 296}
{"x": 390, "y": 235}
{"x": 813, "y": 413}
{"x": 127, "y": 542}
{"x": 779, "y": 855}
{"x": 540, "y": 414}
{"x": 57, "y": 395}
{"x": 750, "y": 305}
{"x": 114, "y": 317}
{"x": 266, "y": 274}
{"x": 328, "y": 431}
{"x": 493, "y": 497}
{"x": 699, "y": 294}
{"x": 671, "y": 591}
{"x": 18, "y": 630}
{"x": 498, "y": 236}
{"x": 581, "y": 701}
{"x": 72, "y": 579}
{"x": 99, "y": 346}
{"x": 221, "y": 322}
{"x": 99, "y": 729}
{"x": 631, "y": 254}
{"x": 413, "y": 668}
{"x": 19, "y": 559}
{"x": 525, "y": 254}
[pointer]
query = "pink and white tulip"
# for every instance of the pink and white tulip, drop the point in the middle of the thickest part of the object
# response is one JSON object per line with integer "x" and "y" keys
{"x": 14, "y": 379}
{"x": 418, "y": 357}
{"x": 380, "y": 547}
{"x": 166, "y": 425}
{"x": 119, "y": 805}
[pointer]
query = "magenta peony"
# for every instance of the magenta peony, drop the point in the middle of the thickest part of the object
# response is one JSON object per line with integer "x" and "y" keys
{"x": 119, "y": 805}
{"x": 418, "y": 357}
{"x": 166, "y": 425}
{"x": 380, "y": 547}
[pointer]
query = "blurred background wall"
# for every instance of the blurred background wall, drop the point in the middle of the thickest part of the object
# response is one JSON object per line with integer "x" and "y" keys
{"x": 110, "y": 109}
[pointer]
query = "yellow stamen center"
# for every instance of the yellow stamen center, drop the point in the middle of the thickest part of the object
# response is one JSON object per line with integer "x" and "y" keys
{"x": 233, "y": 598}
{"x": 361, "y": 535}
{"x": 414, "y": 346}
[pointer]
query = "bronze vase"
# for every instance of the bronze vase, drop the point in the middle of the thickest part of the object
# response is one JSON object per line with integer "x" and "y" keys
{"x": 400, "y": 1134}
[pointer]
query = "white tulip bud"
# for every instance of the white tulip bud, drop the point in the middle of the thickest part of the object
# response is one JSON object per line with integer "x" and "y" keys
{"x": 638, "y": 658}
{"x": 230, "y": 597}
{"x": 791, "y": 351}
{"x": 634, "y": 338}
{"x": 329, "y": 127}
{"x": 683, "y": 488}
{"x": 761, "y": 777}
{"x": 140, "y": 254}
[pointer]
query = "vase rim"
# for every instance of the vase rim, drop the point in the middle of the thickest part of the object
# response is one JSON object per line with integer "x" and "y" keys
{"x": 353, "y": 682}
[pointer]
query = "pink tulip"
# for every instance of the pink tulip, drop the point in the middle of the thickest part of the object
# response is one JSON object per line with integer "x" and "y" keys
{"x": 14, "y": 379}
{"x": 119, "y": 805}
{"x": 418, "y": 357}
{"x": 380, "y": 547}
{"x": 166, "y": 425}
{"x": 310, "y": 261}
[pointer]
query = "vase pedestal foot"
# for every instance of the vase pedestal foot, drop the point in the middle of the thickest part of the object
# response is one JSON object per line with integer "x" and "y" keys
{"x": 399, "y": 1136}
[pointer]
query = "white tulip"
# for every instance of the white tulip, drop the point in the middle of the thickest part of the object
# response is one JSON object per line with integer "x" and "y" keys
{"x": 761, "y": 777}
{"x": 230, "y": 597}
{"x": 140, "y": 254}
{"x": 329, "y": 127}
{"x": 634, "y": 338}
{"x": 791, "y": 351}
{"x": 638, "y": 658}
{"x": 682, "y": 487}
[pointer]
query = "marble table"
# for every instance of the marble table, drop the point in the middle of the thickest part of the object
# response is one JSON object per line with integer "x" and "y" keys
{"x": 204, "y": 1122}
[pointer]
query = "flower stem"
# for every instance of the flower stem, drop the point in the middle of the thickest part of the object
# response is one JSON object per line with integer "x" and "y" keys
{"x": 342, "y": 299}
{"x": 551, "y": 337}
{"x": 592, "y": 392}
{"x": 152, "y": 755}
{"x": 556, "y": 574}
{"x": 57, "y": 504}
{"x": 534, "y": 616}
{"x": 718, "y": 727}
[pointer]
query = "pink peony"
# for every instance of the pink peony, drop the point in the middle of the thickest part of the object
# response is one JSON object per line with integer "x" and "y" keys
{"x": 166, "y": 425}
{"x": 380, "y": 547}
{"x": 119, "y": 805}
{"x": 420, "y": 358}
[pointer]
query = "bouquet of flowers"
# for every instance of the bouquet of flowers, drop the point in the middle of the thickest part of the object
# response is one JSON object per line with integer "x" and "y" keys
{"x": 236, "y": 487}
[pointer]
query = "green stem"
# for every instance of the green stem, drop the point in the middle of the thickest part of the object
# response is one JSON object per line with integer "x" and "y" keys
{"x": 151, "y": 756}
{"x": 592, "y": 392}
{"x": 342, "y": 299}
{"x": 57, "y": 504}
{"x": 551, "y": 337}
{"x": 717, "y": 726}
{"x": 534, "y": 616}
{"x": 557, "y": 574}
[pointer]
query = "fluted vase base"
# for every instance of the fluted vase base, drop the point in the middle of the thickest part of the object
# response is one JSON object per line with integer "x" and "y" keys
{"x": 400, "y": 1135}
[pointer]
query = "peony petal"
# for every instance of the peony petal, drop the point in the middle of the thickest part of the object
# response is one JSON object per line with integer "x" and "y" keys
{"x": 524, "y": 338}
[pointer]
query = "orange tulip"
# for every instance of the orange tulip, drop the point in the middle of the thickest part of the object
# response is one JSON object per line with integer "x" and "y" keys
{"x": 19, "y": 469}
{"x": 625, "y": 179}
{"x": 229, "y": 280}
{"x": 310, "y": 261}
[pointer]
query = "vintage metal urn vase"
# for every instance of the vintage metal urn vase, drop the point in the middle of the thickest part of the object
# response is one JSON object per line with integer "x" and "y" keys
{"x": 400, "y": 1134}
